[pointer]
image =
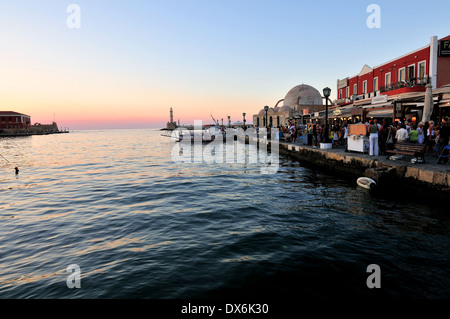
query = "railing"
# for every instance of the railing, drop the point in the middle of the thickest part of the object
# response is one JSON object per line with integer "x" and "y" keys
{"x": 408, "y": 83}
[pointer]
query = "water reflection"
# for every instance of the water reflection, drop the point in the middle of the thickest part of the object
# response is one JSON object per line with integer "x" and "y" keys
{"x": 116, "y": 203}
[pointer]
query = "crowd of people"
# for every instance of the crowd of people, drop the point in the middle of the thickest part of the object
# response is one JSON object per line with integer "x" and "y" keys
{"x": 382, "y": 134}
{"x": 316, "y": 132}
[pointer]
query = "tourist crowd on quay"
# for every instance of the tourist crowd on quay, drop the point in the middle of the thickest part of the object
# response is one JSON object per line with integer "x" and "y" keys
{"x": 382, "y": 134}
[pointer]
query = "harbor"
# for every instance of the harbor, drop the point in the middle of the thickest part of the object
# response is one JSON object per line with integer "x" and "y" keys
{"x": 225, "y": 158}
{"x": 14, "y": 124}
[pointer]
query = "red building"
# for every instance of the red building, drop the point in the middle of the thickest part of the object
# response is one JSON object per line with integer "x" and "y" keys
{"x": 14, "y": 120}
{"x": 398, "y": 78}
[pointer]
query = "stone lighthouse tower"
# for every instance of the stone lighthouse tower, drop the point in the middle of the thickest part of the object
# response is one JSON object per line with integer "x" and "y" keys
{"x": 171, "y": 125}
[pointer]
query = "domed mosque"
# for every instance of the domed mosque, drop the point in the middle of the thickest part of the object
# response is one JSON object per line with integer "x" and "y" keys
{"x": 300, "y": 104}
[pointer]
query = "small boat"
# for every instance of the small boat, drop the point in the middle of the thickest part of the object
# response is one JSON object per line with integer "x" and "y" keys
{"x": 208, "y": 134}
{"x": 366, "y": 183}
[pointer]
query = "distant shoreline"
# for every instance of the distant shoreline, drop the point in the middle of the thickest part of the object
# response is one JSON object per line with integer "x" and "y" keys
{"x": 31, "y": 133}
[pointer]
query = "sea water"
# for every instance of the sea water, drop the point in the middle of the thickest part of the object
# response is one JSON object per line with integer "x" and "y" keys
{"x": 109, "y": 214}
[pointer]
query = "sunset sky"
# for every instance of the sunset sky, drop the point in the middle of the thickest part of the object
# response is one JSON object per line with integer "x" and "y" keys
{"x": 130, "y": 61}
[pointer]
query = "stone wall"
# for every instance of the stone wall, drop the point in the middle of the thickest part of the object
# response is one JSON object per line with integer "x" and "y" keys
{"x": 389, "y": 175}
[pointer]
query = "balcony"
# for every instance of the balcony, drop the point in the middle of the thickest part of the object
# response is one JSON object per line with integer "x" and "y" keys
{"x": 411, "y": 83}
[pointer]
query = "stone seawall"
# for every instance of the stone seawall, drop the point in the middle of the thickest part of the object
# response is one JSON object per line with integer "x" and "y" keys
{"x": 428, "y": 179}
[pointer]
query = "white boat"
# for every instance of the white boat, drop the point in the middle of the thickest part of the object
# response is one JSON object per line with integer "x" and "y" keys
{"x": 366, "y": 182}
{"x": 208, "y": 134}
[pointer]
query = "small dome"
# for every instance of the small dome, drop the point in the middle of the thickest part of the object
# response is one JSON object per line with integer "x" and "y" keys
{"x": 284, "y": 108}
{"x": 271, "y": 111}
{"x": 262, "y": 112}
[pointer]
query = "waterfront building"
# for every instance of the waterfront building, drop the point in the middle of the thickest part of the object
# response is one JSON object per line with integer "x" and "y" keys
{"x": 10, "y": 120}
{"x": 300, "y": 104}
{"x": 397, "y": 88}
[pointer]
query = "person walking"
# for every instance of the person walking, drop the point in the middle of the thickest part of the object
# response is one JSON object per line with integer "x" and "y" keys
{"x": 373, "y": 139}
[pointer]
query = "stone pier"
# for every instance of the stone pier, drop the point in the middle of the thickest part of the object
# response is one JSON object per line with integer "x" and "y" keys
{"x": 427, "y": 179}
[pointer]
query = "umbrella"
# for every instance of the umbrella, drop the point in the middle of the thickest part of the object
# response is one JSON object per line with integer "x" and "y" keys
{"x": 428, "y": 105}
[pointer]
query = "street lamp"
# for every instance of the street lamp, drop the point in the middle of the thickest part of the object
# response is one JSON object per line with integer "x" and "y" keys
{"x": 326, "y": 94}
{"x": 266, "y": 108}
{"x": 229, "y": 121}
{"x": 243, "y": 115}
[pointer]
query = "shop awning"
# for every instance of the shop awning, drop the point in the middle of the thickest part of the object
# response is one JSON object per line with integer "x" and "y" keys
{"x": 371, "y": 106}
{"x": 445, "y": 103}
{"x": 384, "y": 112}
{"x": 345, "y": 111}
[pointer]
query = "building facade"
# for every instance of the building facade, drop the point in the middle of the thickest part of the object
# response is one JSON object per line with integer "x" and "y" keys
{"x": 390, "y": 89}
{"x": 10, "y": 120}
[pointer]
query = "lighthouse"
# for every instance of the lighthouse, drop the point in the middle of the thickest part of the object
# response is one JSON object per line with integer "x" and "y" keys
{"x": 171, "y": 125}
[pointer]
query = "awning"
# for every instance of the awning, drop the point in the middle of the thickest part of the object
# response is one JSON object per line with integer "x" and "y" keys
{"x": 344, "y": 111}
{"x": 371, "y": 106}
{"x": 444, "y": 104}
{"x": 385, "y": 112}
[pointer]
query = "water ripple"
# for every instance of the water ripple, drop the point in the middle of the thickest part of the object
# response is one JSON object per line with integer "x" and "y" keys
{"x": 142, "y": 226}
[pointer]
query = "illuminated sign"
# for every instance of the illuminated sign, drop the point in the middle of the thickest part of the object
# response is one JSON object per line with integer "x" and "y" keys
{"x": 444, "y": 48}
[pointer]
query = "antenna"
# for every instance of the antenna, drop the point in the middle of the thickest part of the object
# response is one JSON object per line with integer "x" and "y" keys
{"x": 215, "y": 122}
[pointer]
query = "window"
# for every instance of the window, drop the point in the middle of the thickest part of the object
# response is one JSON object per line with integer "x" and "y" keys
{"x": 340, "y": 94}
{"x": 347, "y": 91}
{"x": 401, "y": 75}
{"x": 364, "y": 87}
{"x": 411, "y": 73}
{"x": 375, "y": 84}
{"x": 387, "y": 79}
{"x": 421, "y": 72}
{"x": 355, "y": 89}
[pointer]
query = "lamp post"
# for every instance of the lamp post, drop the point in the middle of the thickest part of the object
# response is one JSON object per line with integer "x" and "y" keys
{"x": 243, "y": 115}
{"x": 266, "y": 108}
{"x": 229, "y": 121}
{"x": 326, "y": 94}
